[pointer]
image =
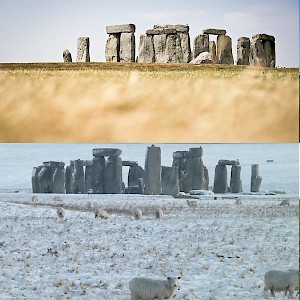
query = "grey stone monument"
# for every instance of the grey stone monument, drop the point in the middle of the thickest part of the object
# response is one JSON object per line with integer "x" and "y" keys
{"x": 113, "y": 175}
{"x": 201, "y": 44}
{"x": 146, "y": 49}
{"x": 67, "y": 56}
{"x": 59, "y": 179}
{"x": 169, "y": 181}
{"x": 88, "y": 180}
{"x": 243, "y": 51}
{"x": 255, "y": 178}
{"x": 97, "y": 174}
{"x": 34, "y": 179}
{"x": 83, "y": 49}
{"x": 78, "y": 177}
{"x": 224, "y": 50}
{"x": 69, "y": 172}
{"x": 235, "y": 180}
{"x": 220, "y": 180}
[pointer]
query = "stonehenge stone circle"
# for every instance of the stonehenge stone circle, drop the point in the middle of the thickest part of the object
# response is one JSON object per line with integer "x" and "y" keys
{"x": 120, "y": 44}
{"x": 83, "y": 49}
{"x": 243, "y": 51}
{"x": 67, "y": 56}
{"x": 255, "y": 178}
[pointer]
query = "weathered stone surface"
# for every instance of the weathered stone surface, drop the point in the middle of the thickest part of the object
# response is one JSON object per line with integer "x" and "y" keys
{"x": 112, "y": 49}
{"x": 173, "y": 50}
{"x": 59, "y": 180}
{"x": 146, "y": 49}
{"x": 135, "y": 174}
{"x": 201, "y": 44}
{"x": 67, "y": 56}
{"x": 228, "y": 162}
{"x": 34, "y": 179}
{"x": 177, "y": 27}
{"x": 45, "y": 179}
{"x": 263, "y": 36}
{"x": 213, "y": 51}
{"x": 196, "y": 152}
{"x": 88, "y": 180}
{"x": 102, "y": 152}
{"x": 86, "y": 163}
{"x": 235, "y": 179}
{"x": 214, "y": 31}
{"x": 203, "y": 58}
{"x": 206, "y": 178}
{"x": 54, "y": 164}
{"x": 69, "y": 172}
{"x": 185, "y": 44}
{"x": 243, "y": 51}
{"x": 78, "y": 177}
{"x": 178, "y": 154}
{"x": 152, "y": 178}
{"x": 97, "y": 174}
{"x": 169, "y": 181}
{"x": 220, "y": 180}
{"x": 129, "y": 163}
{"x": 127, "y": 47}
{"x": 161, "y": 31}
{"x": 224, "y": 50}
{"x": 113, "y": 175}
{"x": 159, "y": 42}
{"x": 123, "y": 28}
{"x": 83, "y": 49}
{"x": 255, "y": 178}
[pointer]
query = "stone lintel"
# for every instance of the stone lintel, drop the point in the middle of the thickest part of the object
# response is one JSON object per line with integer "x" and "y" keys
{"x": 120, "y": 28}
{"x": 264, "y": 37}
{"x": 214, "y": 31}
{"x": 177, "y": 27}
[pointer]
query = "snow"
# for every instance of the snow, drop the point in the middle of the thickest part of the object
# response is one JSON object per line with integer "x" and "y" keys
{"x": 221, "y": 250}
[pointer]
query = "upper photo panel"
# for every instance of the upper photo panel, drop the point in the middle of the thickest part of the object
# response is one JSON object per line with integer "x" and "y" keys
{"x": 159, "y": 71}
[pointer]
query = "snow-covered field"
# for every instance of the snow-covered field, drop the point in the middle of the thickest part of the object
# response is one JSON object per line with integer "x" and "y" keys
{"x": 220, "y": 249}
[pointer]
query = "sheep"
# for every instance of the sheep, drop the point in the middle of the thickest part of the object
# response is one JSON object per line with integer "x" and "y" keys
{"x": 60, "y": 212}
{"x": 101, "y": 213}
{"x": 191, "y": 203}
{"x": 34, "y": 199}
{"x": 159, "y": 213}
{"x": 138, "y": 214}
{"x": 286, "y": 202}
{"x": 239, "y": 201}
{"x": 279, "y": 281}
{"x": 149, "y": 289}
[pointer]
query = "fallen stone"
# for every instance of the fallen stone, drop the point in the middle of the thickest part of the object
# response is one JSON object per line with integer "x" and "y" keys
{"x": 67, "y": 56}
{"x": 203, "y": 58}
{"x": 127, "y": 47}
{"x": 120, "y": 28}
{"x": 214, "y": 31}
{"x": 112, "y": 48}
{"x": 102, "y": 152}
{"x": 83, "y": 49}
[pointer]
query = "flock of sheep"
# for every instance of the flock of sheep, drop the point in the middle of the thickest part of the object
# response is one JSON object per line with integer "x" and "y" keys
{"x": 148, "y": 289}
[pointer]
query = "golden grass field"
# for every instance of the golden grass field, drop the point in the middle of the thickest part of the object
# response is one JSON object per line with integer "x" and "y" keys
{"x": 116, "y": 102}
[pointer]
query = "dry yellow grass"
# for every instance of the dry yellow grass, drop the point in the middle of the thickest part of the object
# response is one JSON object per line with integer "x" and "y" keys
{"x": 100, "y": 102}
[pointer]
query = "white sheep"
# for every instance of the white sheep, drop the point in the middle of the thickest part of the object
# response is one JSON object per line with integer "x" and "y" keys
{"x": 159, "y": 213}
{"x": 34, "y": 199}
{"x": 281, "y": 281}
{"x": 138, "y": 214}
{"x": 149, "y": 289}
{"x": 101, "y": 213}
{"x": 239, "y": 201}
{"x": 60, "y": 212}
{"x": 286, "y": 202}
{"x": 191, "y": 203}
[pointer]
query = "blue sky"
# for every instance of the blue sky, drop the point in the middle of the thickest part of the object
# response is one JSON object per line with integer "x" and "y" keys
{"x": 39, "y": 31}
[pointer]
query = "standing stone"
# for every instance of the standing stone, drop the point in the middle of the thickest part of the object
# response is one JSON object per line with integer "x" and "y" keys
{"x": 135, "y": 173}
{"x": 113, "y": 175}
{"x": 127, "y": 47}
{"x": 213, "y": 51}
{"x": 146, "y": 49}
{"x": 201, "y": 44}
{"x": 59, "y": 179}
{"x": 112, "y": 49}
{"x": 235, "y": 180}
{"x": 206, "y": 178}
{"x": 69, "y": 172}
{"x": 169, "y": 181}
{"x": 220, "y": 180}
{"x": 88, "y": 180}
{"x": 67, "y": 56}
{"x": 34, "y": 179}
{"x": 152, "y": 177}
{"x": 224, "y": 50}
{"x": 159, "y": 42}
{"x": 83, "y": 49}
{"x": 45, "y": 178}
{"x": 255, "y": 178}
{"x": 243, "y": 51}
{"x": 185, "y": 44}
{"x": 97, "y": 174}
{"x": 78, "y": 177}
{"x": 173, "y": 52}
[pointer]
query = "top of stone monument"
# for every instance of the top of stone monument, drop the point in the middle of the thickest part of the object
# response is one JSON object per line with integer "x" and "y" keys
{"x": 214, "y": 31}
{"x": 123, "y": 28}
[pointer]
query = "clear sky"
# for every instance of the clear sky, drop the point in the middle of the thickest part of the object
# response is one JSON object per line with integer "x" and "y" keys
{"x": 39, "y": 31}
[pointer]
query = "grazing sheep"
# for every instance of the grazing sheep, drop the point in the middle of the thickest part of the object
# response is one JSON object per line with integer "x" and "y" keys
{"x": 138, "y": 214}
{"x": 58, "y": 200}
{"x": 191, "y": 203}
{"x": 286, "y": 281}
{"x": 286, "y": 202}
{"x": 159, "y": 214}
{"x": 60, "y": 212}
{"x": 101, "y": 213}
{"x": 34, "y": 199}
{"x": 239, "y": 201}
{"x": 149, "y": 289}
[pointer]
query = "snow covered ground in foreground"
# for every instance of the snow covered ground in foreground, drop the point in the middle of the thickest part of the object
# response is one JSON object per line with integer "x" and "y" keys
{"x": 220, "y": 249}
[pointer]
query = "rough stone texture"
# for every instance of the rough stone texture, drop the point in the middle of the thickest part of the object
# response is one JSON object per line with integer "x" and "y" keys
{"x": 228, "y": 162}
{"x": 45, "y": 179}
{"x": 177, "y": 27}
{"x": 169, "y": 181}
{"x": 88, "y": 180}
{"x": 201, "y": 44}
{"x": 206, "y": 179}
{"x": 204, "y": 58}
{"x": 160, "y": 31}
{"x": 185, "y": 43}
{"x": 146, "y": 49}
{"x": 97, "y": 173}
{"x": 127, "y": 47}
{"x": 173, "y": 52}
{"x": 59, "y": 180}
{"x": 235, "y": 179}
{"x": 152, "y": 178}
{"x": 69, "y": 172}
{"x": 113, "y": 175}
{"x": 255, "y": 178}
{"x": 83, "y": 49}
{"x": 78, "y": 177}
{"x": 214, "y": 31}
{"x": 224, "y": 50}
{"x": 159, "y": 43}
{"x": 67, "y": 56}
{"x": 34, "y": 179}
{"x": 112, "y": 48}
{"x": 263, "y": 36}
{"x": 243, "y": 51}
{"x": 213, "y": 51}
{"x": 120, "y": 28}
{"x": 135, "y": 173}
{"x": 129, "y": 163}
{"x": 102, "y": 152}
{"x": 195, "y": 152}
{"x": 220, "y": 180}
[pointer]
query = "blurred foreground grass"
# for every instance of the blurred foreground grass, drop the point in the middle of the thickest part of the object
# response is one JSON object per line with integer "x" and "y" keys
{"x": 114, "y": 102}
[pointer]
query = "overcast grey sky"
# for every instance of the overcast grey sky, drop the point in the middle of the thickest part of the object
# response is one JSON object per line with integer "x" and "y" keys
{"x": 39, "y": 31}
